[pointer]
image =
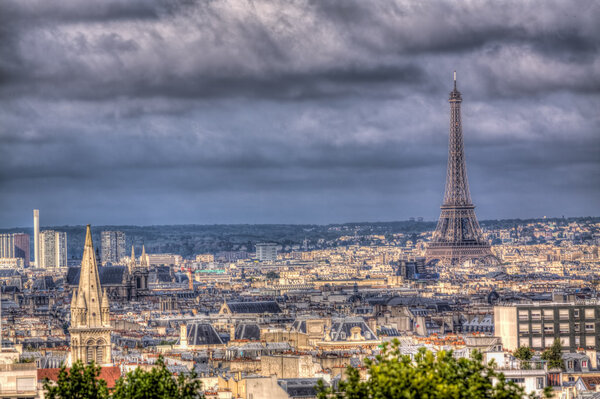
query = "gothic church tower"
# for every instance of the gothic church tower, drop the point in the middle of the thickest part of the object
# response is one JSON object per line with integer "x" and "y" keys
{"x": 90, "y": 318}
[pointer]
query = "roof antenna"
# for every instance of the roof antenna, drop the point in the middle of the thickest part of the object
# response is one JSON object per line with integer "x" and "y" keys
{"x": 455, "y": 80}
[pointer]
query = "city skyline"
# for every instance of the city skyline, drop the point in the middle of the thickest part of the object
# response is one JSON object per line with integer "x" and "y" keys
{"x": 247, "y": 118}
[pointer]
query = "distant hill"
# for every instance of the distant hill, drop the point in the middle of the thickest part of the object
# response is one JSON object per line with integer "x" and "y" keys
{"x": 188, "y": 240}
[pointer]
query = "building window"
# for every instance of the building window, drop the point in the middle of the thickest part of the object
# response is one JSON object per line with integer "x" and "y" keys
{"x": 563, "y": 314}
{"x": 590, "y": 313}
{"x": 523, "y": 315}
{"x": 524, "y": 328}
{"x": 99, "y": 355}
{"x": 548, "y": 314}
{"x": 590, "y": 341}
{"x": 564, "y": 328}
{"x": 576, "y": 327}
{"x": 536, "y": 328}
{"x": 536, "y": 315}
{"x": 548, "y": 328}
{"x": 90, "y": 354}
{"x": 576, "y": 313}
{"x": 536, "y": 342}
{"x": 565, "y": 341}
{"x": 539, "y": 382}
{"x": 589, "y": 327}
{"x": 577, "y": 341}
{"x": 584, "y": 363}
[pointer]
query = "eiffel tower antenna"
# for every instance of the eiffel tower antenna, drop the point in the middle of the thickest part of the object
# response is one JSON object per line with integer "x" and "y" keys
{"x": 458, "y": 236}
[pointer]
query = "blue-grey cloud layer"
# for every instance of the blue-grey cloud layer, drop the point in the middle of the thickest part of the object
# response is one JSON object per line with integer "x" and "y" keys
{"x": 303, "y": 111}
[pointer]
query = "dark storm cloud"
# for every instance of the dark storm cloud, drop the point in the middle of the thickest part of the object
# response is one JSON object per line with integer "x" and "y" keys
{"x": 251, "y": 105}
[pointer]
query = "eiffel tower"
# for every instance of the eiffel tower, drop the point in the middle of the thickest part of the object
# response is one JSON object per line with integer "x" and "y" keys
{"x": 458, "y": 236}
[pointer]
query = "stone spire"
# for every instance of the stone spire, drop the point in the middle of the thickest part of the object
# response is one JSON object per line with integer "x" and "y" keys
{"x": 89, "y": 292}
{"x": 105, "y": 308}
{"x": 131, "y": 265}
{"x": 90, "y": 321}
{"x": 144, "y": 258}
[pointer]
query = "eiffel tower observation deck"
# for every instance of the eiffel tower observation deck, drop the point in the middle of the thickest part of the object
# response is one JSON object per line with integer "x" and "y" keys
{"x": 457, "y": 237}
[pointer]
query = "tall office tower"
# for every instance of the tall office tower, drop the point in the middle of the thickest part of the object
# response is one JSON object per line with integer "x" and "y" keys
{"x": 22, "y": 248}
{"x": 266, "y": 251}
{"x": 53, "y": 249}
{"x": 36, "y": 237}
{"x": 113, "y": 246}
{"x": 7, "y": 246}
{"x": 458, "y": 236}
{"x": 90, "y": 313}
{"x": 15, "y": 245}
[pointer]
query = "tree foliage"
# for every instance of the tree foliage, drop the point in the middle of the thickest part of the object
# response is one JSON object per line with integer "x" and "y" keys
{"x": 158, "y": 383}
{"x": 553, "y": 355}
{"x": 524, "y": 354}
{"x": 272, "y": 275}
{"x": 441, "y": 375}
{"x": 80, "y": 382}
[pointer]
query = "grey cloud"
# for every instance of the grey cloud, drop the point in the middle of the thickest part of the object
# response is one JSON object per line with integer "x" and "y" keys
{"x": 155, "y": 111}
{"x": 300, "y": 50}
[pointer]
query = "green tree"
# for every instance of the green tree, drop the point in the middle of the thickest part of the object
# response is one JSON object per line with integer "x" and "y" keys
{"x": 272, "y": 275}
{"x": 553, "y": 355}
{"x": 393, "y": 375}
{"x": 524, "y": 354}
{"x": 80, "y": 382}
{"x": 158, "y": 383}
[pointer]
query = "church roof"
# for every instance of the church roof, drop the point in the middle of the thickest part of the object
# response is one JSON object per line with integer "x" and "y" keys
{"x": 8, "y": 273}
{"x": 109, "y": 275}
{"x": 202, "y": 334}
{"x": 44, "y": 283}
{"x": 249, "y": 331}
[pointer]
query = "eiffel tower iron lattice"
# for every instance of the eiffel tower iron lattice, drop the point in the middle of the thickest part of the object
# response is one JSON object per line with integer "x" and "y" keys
{"x": 457, "y": 237}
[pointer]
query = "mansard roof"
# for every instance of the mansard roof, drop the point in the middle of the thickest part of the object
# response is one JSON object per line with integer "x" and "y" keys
{"x": 341, "y": 329}
{"x": 254, "y": 307}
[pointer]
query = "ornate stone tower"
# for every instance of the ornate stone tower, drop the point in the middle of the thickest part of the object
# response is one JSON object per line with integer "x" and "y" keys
{"x": 90, "y": 318}
{"x": 458, "y": 236}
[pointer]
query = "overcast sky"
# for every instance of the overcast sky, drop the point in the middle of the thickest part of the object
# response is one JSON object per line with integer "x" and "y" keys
{"x": 167, "y": 112}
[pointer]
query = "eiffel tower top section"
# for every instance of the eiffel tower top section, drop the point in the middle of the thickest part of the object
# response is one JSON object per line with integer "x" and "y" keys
{"x": 457, "y": 185}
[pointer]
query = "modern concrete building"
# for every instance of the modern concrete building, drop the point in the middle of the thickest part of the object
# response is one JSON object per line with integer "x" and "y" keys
{"x": 537, "y": 325}
{"x": 113, "y": 246}
{"x": 53, "y": 249}
{"x": 36, "y": 237}
{"x": 266, "y": 251}
{"x": 15, "y": 245}
{"x": 21, "y": 247}
{"x": 7, "y": 245}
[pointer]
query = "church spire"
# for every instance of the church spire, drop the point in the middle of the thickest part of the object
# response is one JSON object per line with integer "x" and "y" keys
{"x": 90, "y": 311}
{"x": 90, "y": 292}
{"x": 144, "y": 258}
{"x": 132, "y": 260}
